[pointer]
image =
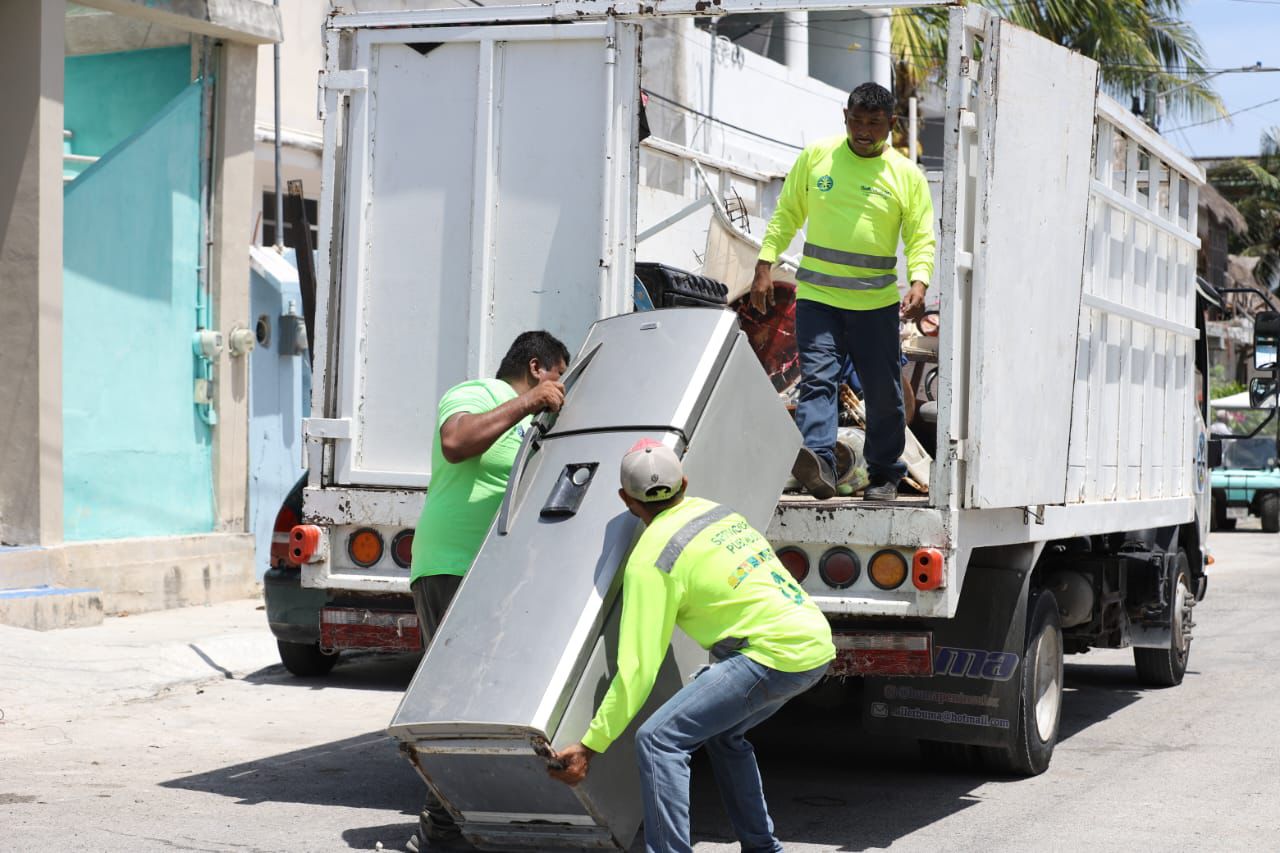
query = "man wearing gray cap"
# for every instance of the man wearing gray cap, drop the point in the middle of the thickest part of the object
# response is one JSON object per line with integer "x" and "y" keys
{"x": 701, "y": 566}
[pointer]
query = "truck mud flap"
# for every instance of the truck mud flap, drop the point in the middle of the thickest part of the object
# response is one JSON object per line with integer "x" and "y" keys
{"x": 972, "y": 696}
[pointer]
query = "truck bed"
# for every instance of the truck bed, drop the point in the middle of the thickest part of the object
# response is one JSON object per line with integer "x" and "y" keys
{"x": 790, "y": 499}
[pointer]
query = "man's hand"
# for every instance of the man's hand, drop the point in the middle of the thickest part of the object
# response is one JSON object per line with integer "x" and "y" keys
{"x": 762, "y": 287}
{"x": 913, "y": 302}
{"x": 575, "y": 762}
{"x": 546, "y": 395}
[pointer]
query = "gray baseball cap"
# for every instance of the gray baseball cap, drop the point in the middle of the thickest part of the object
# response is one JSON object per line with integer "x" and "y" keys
{"x": 651, "y": 471}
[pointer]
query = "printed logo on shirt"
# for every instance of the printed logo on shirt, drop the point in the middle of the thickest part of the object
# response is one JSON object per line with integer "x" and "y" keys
{"x": 876, "y": 191}
{"x": 825, "y": 183}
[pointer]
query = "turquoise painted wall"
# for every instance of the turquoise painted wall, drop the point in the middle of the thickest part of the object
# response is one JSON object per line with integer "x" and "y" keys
{"x": 110, "y": 96}
{"x": 137, "y": 459}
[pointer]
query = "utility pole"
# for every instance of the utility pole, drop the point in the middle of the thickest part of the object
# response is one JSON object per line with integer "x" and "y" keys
{"x": 1149, "y": 102}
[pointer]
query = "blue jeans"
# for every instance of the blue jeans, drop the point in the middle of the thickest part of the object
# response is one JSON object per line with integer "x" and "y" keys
{"x": 714, "y": 710}
{"x": 826, "y": 336}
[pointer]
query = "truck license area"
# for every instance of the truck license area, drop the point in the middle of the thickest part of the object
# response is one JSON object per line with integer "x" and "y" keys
{"x": 865, "y": 653}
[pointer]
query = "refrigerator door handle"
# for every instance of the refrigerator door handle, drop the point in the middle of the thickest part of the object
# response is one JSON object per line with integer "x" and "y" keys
{"x": 540, "y": 426}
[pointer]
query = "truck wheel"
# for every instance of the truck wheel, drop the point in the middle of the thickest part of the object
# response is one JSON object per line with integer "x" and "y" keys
{"x": 306, "y": 659}
{"x": 1040, "y": 701}
{"x": 1165, "y": 667}
{"x": 1270, "y": 512}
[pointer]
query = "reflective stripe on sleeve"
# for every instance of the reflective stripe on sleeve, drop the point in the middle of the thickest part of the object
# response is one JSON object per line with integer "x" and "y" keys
{"x": 682, "y": 537}
{"x": 852, "y": 259}
{"x": 848, "y": 282}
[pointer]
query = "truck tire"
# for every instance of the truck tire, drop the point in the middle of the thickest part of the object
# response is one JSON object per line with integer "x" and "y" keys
{"x": 306, "y": 659}
{"x": 1269, "y": 509}
{"x": 1165, "y": 667}
{"x": 1040, "y": 700}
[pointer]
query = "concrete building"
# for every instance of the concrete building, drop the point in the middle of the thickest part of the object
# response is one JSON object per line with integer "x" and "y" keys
{"x": 127, "y": 166}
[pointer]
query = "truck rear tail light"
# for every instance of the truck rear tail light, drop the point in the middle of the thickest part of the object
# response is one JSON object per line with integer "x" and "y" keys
{"x": 402, "y": 549}
{"x": 926, "y": 569}
{"x": 796, "y": 561}
{"x": 882, "y": 654}
{"x": 839, "y": 568}
{"x": 305, "y": 543}
{"x": 364, "y": 547}
{"x": 888, "y": 569}
{"x": 281, "y": 538}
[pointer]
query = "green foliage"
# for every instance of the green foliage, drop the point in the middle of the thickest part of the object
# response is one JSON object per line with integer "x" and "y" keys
{"x": 1133, "y": 40}
{"x": 1254, "y": 188}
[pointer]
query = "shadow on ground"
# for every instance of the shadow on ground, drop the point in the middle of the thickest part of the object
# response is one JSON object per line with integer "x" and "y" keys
{"x": 830, "y": 785}
{"x": 354, "y": 671}
{"x": 365, "y": 772}
{"x": 827, "y": 783}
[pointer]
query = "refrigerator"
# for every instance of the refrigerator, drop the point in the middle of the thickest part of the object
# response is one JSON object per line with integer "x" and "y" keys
{"x": 528, "y": 647}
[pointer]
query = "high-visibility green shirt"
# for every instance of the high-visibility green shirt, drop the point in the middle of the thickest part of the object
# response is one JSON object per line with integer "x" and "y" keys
{"x": 856, "y": 208}
{"x": 701, "y": 566}
{"x": 464, "y": 496}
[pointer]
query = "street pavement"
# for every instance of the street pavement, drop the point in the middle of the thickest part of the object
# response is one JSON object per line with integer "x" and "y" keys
{"x": 180, "y": 731}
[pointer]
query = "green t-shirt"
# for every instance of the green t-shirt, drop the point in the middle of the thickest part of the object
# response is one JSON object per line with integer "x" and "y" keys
{"x": 703, "y": 567}
{"x": 464, "y": 497}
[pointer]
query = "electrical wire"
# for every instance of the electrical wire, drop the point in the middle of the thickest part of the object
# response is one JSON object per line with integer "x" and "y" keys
{"x": 686, "y": 108}
{"x": 1227, "y": 116}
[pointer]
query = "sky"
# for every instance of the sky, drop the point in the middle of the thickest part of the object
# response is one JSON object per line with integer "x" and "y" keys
{"x": 1234, "y": 33}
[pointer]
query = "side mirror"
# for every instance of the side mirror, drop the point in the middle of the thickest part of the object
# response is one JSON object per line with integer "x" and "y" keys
{"x": 1266, "y": 340}
{"x": 1262, "y": 393}
{"x": 1215, "y": 453}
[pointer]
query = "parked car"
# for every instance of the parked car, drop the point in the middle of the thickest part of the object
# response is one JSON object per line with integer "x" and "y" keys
{"x": 1248, "y": 483}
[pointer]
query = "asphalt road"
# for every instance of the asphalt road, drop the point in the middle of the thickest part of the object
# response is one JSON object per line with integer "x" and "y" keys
{"x": 110, "y": 754}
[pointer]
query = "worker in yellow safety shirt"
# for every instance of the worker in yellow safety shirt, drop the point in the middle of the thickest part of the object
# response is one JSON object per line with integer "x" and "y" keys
{"x": 701, "y": 566}
{"x": 858, "y": 196}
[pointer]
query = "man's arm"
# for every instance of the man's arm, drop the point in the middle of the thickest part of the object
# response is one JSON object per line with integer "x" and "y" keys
{"x": 467, "y": 434}
{"x": 788, "y": 216}
{"x": 650, "y": 599}
{"x": 919, "y": 242}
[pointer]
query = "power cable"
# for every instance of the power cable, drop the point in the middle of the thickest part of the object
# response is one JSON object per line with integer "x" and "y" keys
{"x": 1227, "y": 116}
{"x": 686, "y": 108}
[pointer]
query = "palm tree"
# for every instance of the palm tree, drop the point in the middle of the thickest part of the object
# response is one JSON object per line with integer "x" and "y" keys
{"x": 1135, "y": 41}
{"x": 1254, "y": 188}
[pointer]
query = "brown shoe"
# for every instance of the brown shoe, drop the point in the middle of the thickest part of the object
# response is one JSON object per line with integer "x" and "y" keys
{"x": 814, "y": 474}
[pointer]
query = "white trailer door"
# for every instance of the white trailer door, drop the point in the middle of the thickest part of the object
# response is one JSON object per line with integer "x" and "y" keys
{"x": 485, "y": 189}
{"x": 1033, "y": 194}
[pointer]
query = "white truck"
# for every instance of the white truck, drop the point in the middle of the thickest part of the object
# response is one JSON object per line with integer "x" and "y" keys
{"x": 480, "y": 178}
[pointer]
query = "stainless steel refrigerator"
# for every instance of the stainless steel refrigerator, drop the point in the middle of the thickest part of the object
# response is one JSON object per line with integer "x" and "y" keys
{"x": 528, "y": 646}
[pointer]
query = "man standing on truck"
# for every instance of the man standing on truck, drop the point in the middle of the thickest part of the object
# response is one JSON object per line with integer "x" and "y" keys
{"x": 479, "y": 426}
{"x": 701, "y": 566}
{"x": 858, "y": 195}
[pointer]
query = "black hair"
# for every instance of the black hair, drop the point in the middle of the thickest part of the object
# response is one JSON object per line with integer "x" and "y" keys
{"x": 543, "y": 346}
{"x": 873, "y": 96}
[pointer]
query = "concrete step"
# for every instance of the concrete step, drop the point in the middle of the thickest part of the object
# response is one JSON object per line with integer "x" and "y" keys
{"x": 45, "y": 608}
{"x": 25, "y": 566}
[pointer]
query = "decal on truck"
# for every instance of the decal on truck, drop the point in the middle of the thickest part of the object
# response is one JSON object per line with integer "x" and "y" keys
{"x": 975, "y": 663}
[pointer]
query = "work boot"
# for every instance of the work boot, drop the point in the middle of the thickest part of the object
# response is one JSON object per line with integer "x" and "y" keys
{"x": 814, "y": 474}
{"x": 881, "y": 490}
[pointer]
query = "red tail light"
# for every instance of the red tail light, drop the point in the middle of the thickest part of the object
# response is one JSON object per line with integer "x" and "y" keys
{"x": 926, "y": 569}
{"x": 304, "y": 541}
{"x": 796, "y": 562}
{"x": 280, "y": 550}
{"x": 839, "y": 567}
{"x": 402, "y": 549}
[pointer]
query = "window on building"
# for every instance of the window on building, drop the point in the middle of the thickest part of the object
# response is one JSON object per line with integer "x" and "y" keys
{"x": 761, "y": 33}
{"x": 293, "y": 241}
